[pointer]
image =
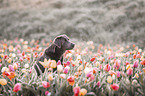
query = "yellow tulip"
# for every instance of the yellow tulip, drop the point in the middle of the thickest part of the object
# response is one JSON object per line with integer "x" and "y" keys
{"x": 3, "y": 81}
{"x": 109, "y": 79}
{"x": 53, "y": 64}
{"x": 50, "y": 77}
{"x": 83, "y": 92}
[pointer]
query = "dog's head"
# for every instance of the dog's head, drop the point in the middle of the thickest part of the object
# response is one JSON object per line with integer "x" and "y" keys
{"x": 61, "y": 42}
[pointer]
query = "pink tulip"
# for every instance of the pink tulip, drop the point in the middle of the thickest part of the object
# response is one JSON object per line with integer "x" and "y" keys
{"x": 88, "y": 74}
{"x": 11, "y": 68}
{"x": 98, "y": 83}
{"x": 130, "y": 71}
{"x": 46, "y": 93}
{"x": 117, "y": 64}
{"x": 65, "y": 70}
{"x": 17, "y": 87}
{"x": 114, "y": 86}
{"x": 135, "y": 65}
{"x": 0, "y": 65}
{"x": 59, "y": 62}
{"x": 45, "y": 84}
{"x": 118, "y": 74}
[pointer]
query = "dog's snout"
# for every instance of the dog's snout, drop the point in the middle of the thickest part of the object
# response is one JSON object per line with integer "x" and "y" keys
{"x": 72, "y": 44}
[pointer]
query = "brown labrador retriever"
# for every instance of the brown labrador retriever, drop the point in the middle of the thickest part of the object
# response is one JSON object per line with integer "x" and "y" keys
{"x": 54, "y": 52}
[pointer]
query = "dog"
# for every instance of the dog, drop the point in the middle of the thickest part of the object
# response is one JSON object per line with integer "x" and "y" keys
{"x": 54, "y": 52}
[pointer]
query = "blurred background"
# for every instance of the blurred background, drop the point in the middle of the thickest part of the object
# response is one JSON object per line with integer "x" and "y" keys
{"x": 101, "y": 21}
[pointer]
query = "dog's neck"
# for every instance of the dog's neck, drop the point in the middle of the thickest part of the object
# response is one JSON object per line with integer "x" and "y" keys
{"x": 57, "y": 55}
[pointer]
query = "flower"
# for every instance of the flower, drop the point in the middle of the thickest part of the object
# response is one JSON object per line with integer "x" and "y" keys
{"x": 59, "y": 62}
{"x": 17, "y": 87}
{"x": 107, "y": 67}
{"x": 117, "y": 64}
{"x": 46, "y": 63}
{"x": 63, "y": 76}
{"x": 92, "y": 59}
{"x": 130, "y": 71}
{"x": 26, "y": 65}
{"x": 83, "y": 92}
{"x": 143, "y": 70}
{"x": 46, "y": 93}
{"x": 98, "y": 83}
{"x": 65, "y": 70}
{"x": 11, "y": 68}
{"x": 135, "y": 65}
{"x": 109, "y": 79}
{"x": 50, "y": 77}
{"x": 142, "y": 62}
{"x": 71, "y": 80}
{"x": 118, "y": 74}
{"x": 53, "y": 64}
{"x": 114, "y": 86}
{"x": 3, "y": 81}
{"x": 59, "y": 68}
{"x": 45, "y": 84}
{"x": 76, "y": 91}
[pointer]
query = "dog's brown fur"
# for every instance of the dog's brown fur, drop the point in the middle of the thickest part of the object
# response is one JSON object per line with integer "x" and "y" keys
{"x": 54, "y": 52}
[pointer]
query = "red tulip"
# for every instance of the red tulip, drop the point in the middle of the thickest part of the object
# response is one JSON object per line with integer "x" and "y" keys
{"x": 71, "y": 80}
{"x": 17, "y": 87}
{"x": 142, "y": 62}
{"x": 76, "y": 91}
{"x": 92, "y": 59}
{"x": 107, "y": 67}
{"x": 45, "y": 84}
{"x": 114, "y": 86}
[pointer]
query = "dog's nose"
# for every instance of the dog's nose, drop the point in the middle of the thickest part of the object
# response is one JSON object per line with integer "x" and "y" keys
{"x": 72, "y": 44}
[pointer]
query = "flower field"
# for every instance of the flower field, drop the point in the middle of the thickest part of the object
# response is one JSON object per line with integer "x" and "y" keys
{"x": 88, "y": 70}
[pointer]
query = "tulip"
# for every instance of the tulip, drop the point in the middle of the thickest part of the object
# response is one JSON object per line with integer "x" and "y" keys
{"x": 92, "y": 59}
{"x": 65, "y": 70}
{"x": 0, "y": 65}
{"x": 88, "y": 74}
{"x": 136, "y": 75}
{"x": 59, "y": 68}
{"x": 26, "y": 65}
{"x": 130, "y": 71}
{"x": 142, "y": 62}
{"x": 71, "y": 80}
{"x": 135, "y": 65}
{"x": 46, "y": 63}
{"x": 3, "y": 81}
{"x": 46, "y": 93}
{"x": 107, "y": 67}
{"x": 126, "y": 63}
{"x": 92, "y": 77}
{"x": 9, "y": 60}
{"x": 98, "y": 83}
{"x": 45, "y": 84}
{"x": 63, "y": 76}
{"x": 118, "y": 74}
{"x": 11, "y": 68}
{"x": 76, "y": 91}
{"x": 50, "y": 77}
{"x": 83, "y": 92}
{"x": 17, "y": 87}
{"x": 114, "y": 86}
{"x": 53, "y": 64}
{"x": 117, "y": 64}
{"x": 87, "y": 70}
{"x": 23, "y": 53}
{"x": 134, "y": 56}
{"x": 15, "y": 66}
{"x": 59, "y": 62}
{"x": 68, "y": 63}
{"x": 109, "y": 79}
{"x": 143, "y": 70}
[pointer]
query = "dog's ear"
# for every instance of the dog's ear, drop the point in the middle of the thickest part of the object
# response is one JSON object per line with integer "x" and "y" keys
{"x": 58, "y": 42}
{"x": 51, "y": 49}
